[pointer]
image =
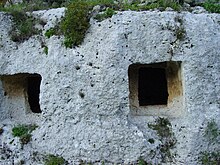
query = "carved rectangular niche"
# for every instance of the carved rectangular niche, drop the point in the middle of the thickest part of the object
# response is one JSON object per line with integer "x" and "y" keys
{"x": 156, "y": 89}
{"x": 21, "y": 95}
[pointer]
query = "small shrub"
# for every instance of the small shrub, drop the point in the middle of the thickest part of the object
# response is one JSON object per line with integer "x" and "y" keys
{"x": 68, "y": 42}
{"x": 76, "y": 23}
{"x": 54, "y": 160}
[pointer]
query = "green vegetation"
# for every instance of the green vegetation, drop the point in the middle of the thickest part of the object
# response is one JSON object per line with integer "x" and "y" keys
{"x": 162, "y": 4}
{"x": 82, "y": 162}
{"x": 50, "y": 32}
{"x": 211, "y": 7}
{"x": 56, "y": 3}
{"x": 24, "y": 139}
{"x": 25, "y": 6}
{"x": 75, "y": 23}
{"x": 46, "y": 50}
{"x": 210, "y": 158}
{"x": 23, "y": 28}
{"x": 23, "y": 129}
{"x": 141, "y": 161}
{"x": 180, "y": 32}
{"x": 106, "y": 3}
{"x": 164, "y": 131}
{"x": 211, "y": 133}
{"x": 23, "y": 132}
{"x": 24, "y": 25}
{"x": 54, "y": 160}
{"x": 162, "y": 126}
{"x": 170, "y": 3}
{"x": 109, "y": 12}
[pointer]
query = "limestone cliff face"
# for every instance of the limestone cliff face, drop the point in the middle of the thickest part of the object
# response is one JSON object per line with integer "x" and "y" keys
{"x": 89, "y": 106}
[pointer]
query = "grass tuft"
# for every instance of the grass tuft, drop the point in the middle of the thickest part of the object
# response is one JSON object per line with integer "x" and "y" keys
{"x": 23, "y": 28}
{"x": 54, "y": 160}
{"x": 23, "y": 132}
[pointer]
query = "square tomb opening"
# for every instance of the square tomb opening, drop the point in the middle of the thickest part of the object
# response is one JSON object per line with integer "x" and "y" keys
{"x": 21, "y": 95}
{"x": 156, "y": 89}
{"x": 152, "y": 86}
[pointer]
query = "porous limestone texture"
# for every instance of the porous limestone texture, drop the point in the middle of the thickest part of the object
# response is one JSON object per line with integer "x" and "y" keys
{"x": 84, "y": 93}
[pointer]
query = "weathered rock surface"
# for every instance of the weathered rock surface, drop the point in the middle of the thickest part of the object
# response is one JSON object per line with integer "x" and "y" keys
{"x": 84, "y": 93}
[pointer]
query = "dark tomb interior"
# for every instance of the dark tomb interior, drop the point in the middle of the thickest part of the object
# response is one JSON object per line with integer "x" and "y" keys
{"x": 33, "y": 92}
{"x": 152, "y": 86}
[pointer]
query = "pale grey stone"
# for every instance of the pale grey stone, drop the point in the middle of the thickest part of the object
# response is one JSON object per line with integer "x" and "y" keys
{"x": 102, "y": 126}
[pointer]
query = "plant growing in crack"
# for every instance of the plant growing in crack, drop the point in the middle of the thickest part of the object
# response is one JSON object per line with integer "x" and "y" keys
{"x": 212, "y": 134}
{"x": 141, "y": 161}
{"x": 179, "y": 33}
{"x": 23, "y": 132}
{"x": 212, "y": 131}
{"x": 46, "y": 50}
{"x": 163, "y": 128}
